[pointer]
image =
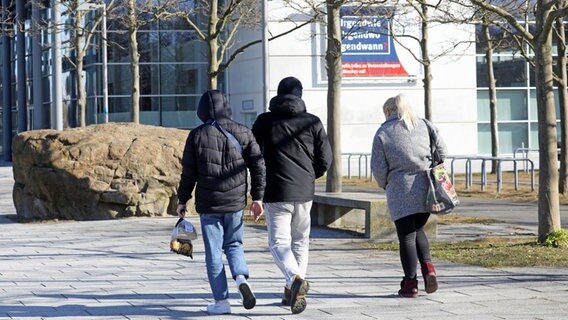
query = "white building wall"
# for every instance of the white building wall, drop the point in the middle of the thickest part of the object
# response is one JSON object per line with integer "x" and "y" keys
{"x": 301, "y": 54}
{"x": 245, "y": 85}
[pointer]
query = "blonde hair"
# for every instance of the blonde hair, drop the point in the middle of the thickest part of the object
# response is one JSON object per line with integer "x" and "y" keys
{"x": 399, "y": 105}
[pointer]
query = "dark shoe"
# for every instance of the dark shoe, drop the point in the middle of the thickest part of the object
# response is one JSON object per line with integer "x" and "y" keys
{"x": 298, "y": 292}
{"x": 408, "y": 288}
{"x": 287, "y": 297}
{"x": 429, "y": 275}
{"x": 249, "y": 300}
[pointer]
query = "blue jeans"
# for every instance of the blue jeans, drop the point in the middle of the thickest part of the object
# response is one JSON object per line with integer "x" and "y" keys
{"x": 223, "y": 232}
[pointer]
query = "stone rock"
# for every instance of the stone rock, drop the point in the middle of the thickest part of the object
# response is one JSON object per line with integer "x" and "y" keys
{"x": 97, "y": 172}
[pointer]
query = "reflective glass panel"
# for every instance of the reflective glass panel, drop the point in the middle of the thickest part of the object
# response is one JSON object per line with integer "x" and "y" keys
{"x": 181, "y": 46}
{"x": 119, "y": 79}
{"x": 511, "y": 105}
{"x": 183, "y": 78}
{"x": 117, "y": 49}
{"x": 508, "y": 71}
{"x": 501, "y": 40}
{"x": 534, "y": 104}
{"x": 511, "y": 137}
{"x": 149, "y": 79}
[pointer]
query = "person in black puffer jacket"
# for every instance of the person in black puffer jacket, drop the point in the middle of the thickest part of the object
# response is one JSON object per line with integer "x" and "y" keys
{"x": 297, "y": 152}
{"x": 217, "y": 169}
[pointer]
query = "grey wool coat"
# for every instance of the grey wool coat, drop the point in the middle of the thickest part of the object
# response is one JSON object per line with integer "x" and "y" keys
{"x": 399, "y": 162}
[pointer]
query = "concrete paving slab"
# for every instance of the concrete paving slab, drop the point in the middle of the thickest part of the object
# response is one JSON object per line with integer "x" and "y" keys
{"x": 122, "y": 269}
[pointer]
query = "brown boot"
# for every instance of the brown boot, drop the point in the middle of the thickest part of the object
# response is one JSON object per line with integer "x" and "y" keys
{"x": 408, "y": 288}
{"x": 429, "y": 275}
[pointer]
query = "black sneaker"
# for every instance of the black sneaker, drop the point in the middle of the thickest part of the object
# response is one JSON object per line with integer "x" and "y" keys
{"x": 249, "y": 300}
{"x": 299, "y": 289}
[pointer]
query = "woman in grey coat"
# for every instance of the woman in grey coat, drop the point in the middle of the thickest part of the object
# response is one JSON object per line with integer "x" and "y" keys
{"x": 400, "y": 160}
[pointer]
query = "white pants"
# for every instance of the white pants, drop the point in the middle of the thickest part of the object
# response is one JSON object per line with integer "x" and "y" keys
{"x": 289, "y": 236}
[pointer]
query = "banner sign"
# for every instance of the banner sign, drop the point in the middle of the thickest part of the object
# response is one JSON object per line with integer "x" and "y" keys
{"x": 368, "y": 49}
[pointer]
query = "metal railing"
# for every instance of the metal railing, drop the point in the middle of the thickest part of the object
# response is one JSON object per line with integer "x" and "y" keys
{"x": 359, "y": 157}
{"x": 358, "y": 165}
{"x": 499, "y": 160}
{"x": 525, "y": 154}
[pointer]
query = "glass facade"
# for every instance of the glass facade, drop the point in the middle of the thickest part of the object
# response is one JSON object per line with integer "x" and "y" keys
{"x": 516, "y": 96}
{"x": 173, "y": 75}
{"x": 173, "y": 72}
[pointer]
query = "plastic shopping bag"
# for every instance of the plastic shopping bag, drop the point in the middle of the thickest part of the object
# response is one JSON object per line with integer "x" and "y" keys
{"x": 182, "y": 234}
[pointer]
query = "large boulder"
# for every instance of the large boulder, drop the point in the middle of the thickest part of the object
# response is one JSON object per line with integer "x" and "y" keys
{"x": 96, "y": 172}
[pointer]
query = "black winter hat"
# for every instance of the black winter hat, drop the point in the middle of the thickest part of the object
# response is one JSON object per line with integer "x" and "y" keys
{"x": 290, "y": 85}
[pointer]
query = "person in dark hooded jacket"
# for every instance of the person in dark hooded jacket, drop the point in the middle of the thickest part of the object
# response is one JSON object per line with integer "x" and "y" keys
{"x": 297, "y": 152}
{"x": 216, "y": 167}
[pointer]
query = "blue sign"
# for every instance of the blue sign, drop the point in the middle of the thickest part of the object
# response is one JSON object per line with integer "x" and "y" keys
{"x": 368, "y": 49}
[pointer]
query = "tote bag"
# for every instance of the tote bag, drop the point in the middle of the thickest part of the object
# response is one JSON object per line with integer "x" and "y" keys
{"x": 442, "y": 197}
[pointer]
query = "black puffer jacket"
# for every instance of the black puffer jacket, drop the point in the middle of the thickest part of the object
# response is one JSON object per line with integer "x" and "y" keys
{"x": 295, "y": 148}
{"x": 213, "y": 165}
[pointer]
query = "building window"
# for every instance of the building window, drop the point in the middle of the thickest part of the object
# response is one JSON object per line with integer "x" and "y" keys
{"x": 516, "y": 96}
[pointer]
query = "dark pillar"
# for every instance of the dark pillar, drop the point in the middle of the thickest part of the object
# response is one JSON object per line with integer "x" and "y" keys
{"x": 40, "y": 121}
{"x": 21, "y": 85}
{"x": 6, "y": 85}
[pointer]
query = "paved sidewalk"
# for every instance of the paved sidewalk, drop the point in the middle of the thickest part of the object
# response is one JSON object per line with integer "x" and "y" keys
{"x": 122, "y": 269}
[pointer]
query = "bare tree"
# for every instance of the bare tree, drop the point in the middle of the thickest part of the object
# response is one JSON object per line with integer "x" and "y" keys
{"x": 426, "y": 62}
{"x": 540, "y": 39}
{"x": 334, "y": 77}
{"x": 485, "y": 25}
{"x": 81, "y": 36}
{"x": 331, "y": 9}
{"x": 422, "y": 8}
{"x": 562, "y": 81}
{"x": 217, "y": 22}
{"x": 133, "y": 24}
{"x": 134, "y": 15}
{"x": 429, "y": 13}
{"x": 7, "y": 21}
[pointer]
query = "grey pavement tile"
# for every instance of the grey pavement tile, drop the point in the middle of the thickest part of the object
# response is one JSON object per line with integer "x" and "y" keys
{"x": 67, "y": 317}
{"x": 122, "y": 269}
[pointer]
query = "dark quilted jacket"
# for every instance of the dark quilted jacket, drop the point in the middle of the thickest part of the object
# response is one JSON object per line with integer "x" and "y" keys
{"x": 213, "y": 165}
{"x": 295, "y": 148}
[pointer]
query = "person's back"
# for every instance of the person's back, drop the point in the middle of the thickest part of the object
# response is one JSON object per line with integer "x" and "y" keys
{"x": 400, "y": 161}
{"x": 212, "y": 164}
{"x": 295, "y": 148}
{"x": 296, "y": 152}
{"x": 215, "y": 161}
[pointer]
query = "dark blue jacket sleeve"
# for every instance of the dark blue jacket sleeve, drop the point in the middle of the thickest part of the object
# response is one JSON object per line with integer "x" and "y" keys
{"x": 189, "y": 171}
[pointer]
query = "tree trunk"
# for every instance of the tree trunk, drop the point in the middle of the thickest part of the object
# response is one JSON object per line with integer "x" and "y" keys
{"x": 334, "y": 76}
{"x": 426, "y": 63}
{"x": 80, "y": 78}
{"x": 563, "y": 98}
{"x": 492, "y": 94}
{"x": 548, "y": 197}
{"x": 81, "y": 91}
{"x": 134, "y": 62}
{"x": 213, "y": 67}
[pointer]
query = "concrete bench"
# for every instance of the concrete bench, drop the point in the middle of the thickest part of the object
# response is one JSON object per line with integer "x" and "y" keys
{"x": 355, "y": 209}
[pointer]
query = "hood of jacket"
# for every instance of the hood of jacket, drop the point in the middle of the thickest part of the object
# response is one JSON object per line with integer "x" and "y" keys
{"x": 290, "y": 85}
{"x": 287, "y": 105}
{"x": 213, "y": 106}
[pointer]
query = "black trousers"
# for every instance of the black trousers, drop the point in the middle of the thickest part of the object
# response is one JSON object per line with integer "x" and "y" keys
{"x": 413, "y": 243}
